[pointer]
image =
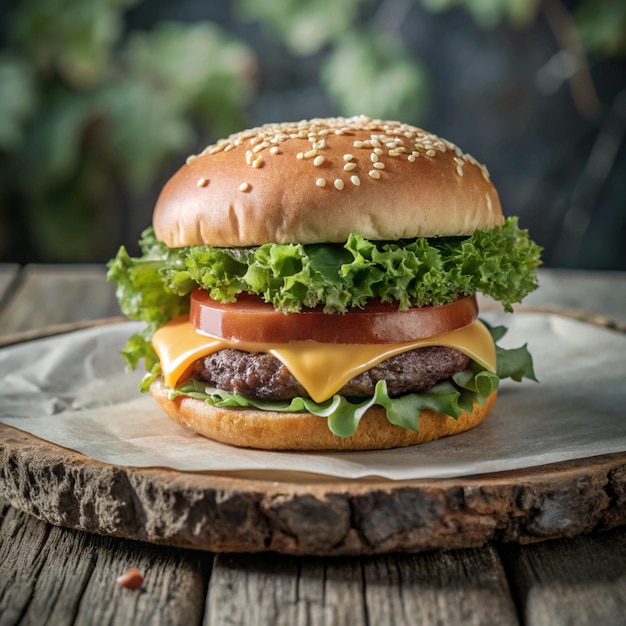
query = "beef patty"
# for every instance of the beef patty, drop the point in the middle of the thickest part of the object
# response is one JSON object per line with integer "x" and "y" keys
{"x": 263, "y": 377}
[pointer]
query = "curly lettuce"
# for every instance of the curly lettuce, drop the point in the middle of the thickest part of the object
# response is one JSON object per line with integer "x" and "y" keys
{"x": 452, "y": 397}
{"x": 500, "y": 263}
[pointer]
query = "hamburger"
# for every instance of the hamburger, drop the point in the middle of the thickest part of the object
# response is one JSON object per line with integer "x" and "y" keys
{"x": 312, "y": 286}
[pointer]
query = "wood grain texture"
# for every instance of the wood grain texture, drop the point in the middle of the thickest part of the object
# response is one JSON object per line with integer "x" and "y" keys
{"x": 452, "y": 587}
{"x": 57, "y": 576}
{"x": 49, "y": 295}
{"x": 330, "y": 517}
{"x": 584, "y": 290}
{"x": 274, "y": 590}
{"x": 458, "y": 587}
{"x": 8, "y": 273}
{"x": 580, "y": 581}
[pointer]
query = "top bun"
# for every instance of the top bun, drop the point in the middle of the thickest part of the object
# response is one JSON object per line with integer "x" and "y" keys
{"x": 320, "y": 180}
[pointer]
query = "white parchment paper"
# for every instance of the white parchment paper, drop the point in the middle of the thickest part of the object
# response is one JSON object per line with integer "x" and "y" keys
{"x": 73, "y": 390}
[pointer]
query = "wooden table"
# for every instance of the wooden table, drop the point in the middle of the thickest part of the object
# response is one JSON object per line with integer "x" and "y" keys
{"x": 57, "y": 576}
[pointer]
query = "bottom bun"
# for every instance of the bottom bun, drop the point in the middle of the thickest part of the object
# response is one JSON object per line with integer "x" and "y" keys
{"x": 272, "y": 430}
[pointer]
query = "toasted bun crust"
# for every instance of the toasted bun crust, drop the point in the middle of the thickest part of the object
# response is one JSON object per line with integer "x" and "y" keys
{"x": 320, "y": 180}
{"x": 267, "y": 430}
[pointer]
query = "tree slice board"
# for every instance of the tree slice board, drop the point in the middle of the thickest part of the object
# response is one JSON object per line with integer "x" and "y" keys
{"x": 300, "y": 514}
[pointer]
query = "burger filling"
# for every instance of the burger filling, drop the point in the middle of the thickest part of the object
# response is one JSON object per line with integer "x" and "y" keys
{"x": 260, "y": 376}
{"x": 337, "y": 278}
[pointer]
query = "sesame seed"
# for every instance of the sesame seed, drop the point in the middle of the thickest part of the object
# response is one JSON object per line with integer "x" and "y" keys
{"x": 318, "y": 160}
{"x": 379, "y": 165}
{"x": 459, "y": 170}
{"x": 355, "y": 180}
{"x": 374, "y": 174}
{"x": 321, "y": 182}
{"x": 383, "y": 139}
{"x": 300, "y": 155}
{"x": 190, "y": 158}
{"x": 338, "y": 183}
{"x": 203, "y": 182}
{"x": 348, "y": 167}
{"x": 244, "y": 187}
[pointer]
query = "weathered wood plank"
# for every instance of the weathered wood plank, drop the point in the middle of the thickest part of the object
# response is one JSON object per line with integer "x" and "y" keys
{"x": 8, "y": 273}
{"x": 578, "y": 581}
{"x": 600, "y": 292}
{"x": 459, "y": 587}
{"x": 50, "y": 295}
{"x": 173, "y": 592}
{"x": 56, "y": 576}
{"x": 280, "y": 590}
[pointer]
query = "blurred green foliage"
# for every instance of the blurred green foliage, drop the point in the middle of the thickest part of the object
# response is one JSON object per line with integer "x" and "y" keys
{"x": 91, "y": 114}
{"x": 367, "y": 67}
{"x": 602, "y": 26}
{"x": 490, "y": 13}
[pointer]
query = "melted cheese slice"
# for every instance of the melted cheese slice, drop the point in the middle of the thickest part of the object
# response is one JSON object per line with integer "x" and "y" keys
{"x": 321, "y": 368}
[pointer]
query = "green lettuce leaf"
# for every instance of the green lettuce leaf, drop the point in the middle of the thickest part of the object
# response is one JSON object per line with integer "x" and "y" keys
{"x": 144, "y": 295}
{"x": 501, "y": 263}
{"x": 514, "y": 363}
{"x": 465, "y": 389}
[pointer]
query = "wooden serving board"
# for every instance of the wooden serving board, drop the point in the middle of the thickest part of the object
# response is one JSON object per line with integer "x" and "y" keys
{"x": 302, "y": 514}
{"x": 295, "y": 513}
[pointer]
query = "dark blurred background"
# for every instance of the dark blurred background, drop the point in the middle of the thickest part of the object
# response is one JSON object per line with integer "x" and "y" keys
{"x": 101, "y": 101}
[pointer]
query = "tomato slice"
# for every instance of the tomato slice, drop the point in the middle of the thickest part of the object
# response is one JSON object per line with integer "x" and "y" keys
{"x": 251, "y": 319}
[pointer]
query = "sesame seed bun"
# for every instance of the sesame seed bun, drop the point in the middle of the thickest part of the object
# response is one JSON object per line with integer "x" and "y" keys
{"x": 320, "y": 180}
{"x": 270, "y": 430}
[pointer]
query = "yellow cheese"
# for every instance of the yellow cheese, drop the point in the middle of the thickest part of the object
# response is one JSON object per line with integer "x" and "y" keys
{"x": 321, "y": 368}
